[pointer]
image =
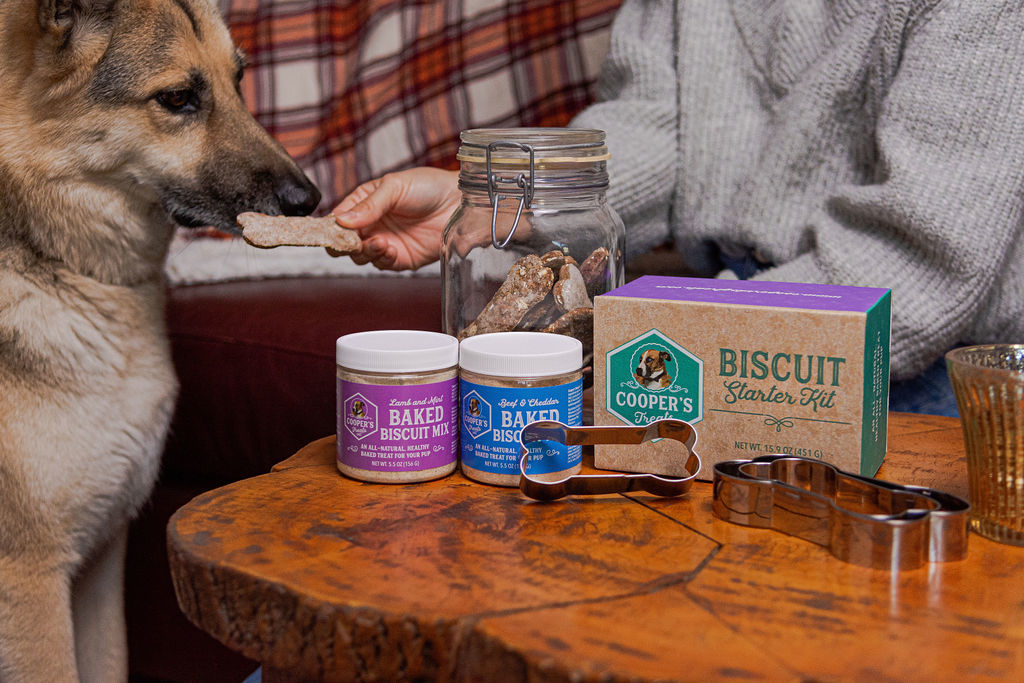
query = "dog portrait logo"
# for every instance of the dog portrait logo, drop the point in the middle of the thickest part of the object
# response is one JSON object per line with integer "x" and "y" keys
{"x": 476, "y": 414}
{"x": 654, "y": 368}
{"x": 651, "y": 377}
{"x": 358, "y": 409}
{"x": 360, "y": 416}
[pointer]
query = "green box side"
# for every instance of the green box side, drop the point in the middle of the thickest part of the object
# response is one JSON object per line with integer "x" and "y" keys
{"x": 875, "y": 421}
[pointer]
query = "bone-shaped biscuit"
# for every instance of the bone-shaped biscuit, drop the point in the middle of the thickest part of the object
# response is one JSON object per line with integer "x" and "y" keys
{"x": 556, "y": 259}
{"x": 266, "y": 232}
{"x": 578, "y": 323}
{"x": 528, "y": 282}
{"x": 594, "y": 269}
{"x": 571, "y": 289}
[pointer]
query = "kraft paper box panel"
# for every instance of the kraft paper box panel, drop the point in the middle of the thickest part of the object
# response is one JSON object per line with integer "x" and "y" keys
{"x": 757, "y": 367}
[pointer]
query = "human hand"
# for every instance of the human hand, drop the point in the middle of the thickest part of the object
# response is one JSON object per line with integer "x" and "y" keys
{"x": 400, "y": 216}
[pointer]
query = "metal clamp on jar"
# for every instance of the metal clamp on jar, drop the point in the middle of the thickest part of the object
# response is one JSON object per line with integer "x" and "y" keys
{"x": 534, "y": 240}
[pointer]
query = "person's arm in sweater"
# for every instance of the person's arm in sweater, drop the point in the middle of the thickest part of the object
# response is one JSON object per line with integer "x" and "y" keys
{"x": 638, "y": 110}
{"x": 948, "y": 201}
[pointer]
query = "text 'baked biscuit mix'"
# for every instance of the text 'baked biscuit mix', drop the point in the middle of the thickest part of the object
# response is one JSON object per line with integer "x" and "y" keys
{"x": 397, "y": 400}
{"x": 757, "y": 367}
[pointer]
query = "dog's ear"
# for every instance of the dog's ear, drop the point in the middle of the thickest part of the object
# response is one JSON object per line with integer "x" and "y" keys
{"x": 58, "y": 19}
{"x": 665, "y": 356}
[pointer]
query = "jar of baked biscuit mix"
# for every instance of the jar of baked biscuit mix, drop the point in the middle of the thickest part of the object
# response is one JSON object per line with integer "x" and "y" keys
{"x": 506, "y": 381}
{"x": 397, "y": 405}
{"x": 534, "y": 240}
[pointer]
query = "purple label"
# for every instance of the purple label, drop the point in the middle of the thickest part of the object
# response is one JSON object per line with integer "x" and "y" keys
{"x": 752, "y": 293}
{"x": 398, "y": 428}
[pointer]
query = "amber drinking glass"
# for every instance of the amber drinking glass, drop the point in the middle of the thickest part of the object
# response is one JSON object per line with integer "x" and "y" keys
{"x": 989, "y": 385}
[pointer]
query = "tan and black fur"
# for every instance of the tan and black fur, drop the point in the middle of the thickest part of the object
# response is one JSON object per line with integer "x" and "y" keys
{"x": 119, "y": 119}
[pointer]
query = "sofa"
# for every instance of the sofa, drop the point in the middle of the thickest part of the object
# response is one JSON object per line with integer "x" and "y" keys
{"x": 353, "y": 89}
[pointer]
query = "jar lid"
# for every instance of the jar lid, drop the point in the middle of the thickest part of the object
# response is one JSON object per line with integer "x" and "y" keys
{"x": 521, "y": 354}
{"x": 397, "y": 351}
{"x": 549, "y": 145}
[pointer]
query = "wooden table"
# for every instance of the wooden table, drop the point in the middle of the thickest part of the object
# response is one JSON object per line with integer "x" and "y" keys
{"x": 321, "y": 577}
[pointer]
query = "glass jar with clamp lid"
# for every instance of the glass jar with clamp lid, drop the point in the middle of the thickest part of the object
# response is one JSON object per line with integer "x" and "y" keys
{"x": 534, "y": 239}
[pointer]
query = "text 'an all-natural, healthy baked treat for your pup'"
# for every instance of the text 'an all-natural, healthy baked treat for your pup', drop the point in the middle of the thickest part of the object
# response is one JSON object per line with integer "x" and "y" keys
{"x": 757, "y": 367}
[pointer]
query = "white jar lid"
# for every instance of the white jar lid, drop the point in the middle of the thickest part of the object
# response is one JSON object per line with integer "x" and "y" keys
{"x": 521, "y": 354}
{"x": 397, "y": 351}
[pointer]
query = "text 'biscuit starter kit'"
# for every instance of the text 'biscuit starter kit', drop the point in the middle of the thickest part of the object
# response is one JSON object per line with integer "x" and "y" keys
{"x": 758, "y": 368}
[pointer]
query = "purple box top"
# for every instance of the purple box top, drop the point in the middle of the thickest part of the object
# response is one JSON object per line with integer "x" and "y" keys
{"x": 752, "y": 293}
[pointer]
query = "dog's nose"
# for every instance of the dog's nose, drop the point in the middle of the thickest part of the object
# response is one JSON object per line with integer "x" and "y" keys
{"x": 297, "y": 196}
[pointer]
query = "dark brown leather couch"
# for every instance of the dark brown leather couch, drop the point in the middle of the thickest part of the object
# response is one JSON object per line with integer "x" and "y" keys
{"x": 256, "y": 363}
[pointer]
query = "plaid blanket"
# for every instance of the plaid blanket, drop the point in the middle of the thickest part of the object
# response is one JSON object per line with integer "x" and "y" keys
{"x": 356, "y": 88}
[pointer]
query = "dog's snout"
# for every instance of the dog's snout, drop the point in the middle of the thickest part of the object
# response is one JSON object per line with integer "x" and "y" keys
{"x": 297, "y": 196}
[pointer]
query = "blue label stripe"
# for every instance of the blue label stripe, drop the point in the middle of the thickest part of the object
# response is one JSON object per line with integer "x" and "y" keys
{"x": 492, "y": 420}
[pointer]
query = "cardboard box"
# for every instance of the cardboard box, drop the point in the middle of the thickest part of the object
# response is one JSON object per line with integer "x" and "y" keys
{"x": 756, "y": 367}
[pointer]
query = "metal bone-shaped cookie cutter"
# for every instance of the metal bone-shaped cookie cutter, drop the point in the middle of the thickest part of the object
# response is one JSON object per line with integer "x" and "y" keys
{"x": 595, "y": 484}
{"x": 861, "y": 520}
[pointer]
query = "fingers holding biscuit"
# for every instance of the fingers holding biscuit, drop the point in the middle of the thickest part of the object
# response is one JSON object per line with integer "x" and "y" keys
{"x": 377, "y": 251}
{"x": 401, "y": 217}
{"x": 360, "y": 210}
{"x": 367, "y": 204}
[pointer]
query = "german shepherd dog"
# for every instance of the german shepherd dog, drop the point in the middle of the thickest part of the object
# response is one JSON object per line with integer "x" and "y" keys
{"x": 119, "y": 119}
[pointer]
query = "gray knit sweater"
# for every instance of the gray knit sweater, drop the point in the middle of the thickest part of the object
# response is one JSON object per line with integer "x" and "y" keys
{"x": 860, "y": 142}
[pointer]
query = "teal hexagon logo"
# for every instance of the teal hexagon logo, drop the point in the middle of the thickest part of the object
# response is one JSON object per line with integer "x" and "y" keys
{"x": 650, "y": 378}
{"x": 476, "y": 414}
{"x": 360, "y": 416}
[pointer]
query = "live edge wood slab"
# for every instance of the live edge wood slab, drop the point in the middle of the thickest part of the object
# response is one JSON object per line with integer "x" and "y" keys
{"x": 324, "y": 578}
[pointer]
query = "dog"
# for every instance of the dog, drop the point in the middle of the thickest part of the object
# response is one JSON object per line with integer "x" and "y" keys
{"x": 118, "y": 122}
{"x": 358, "y": 409}
{"x": 651, "y": 373}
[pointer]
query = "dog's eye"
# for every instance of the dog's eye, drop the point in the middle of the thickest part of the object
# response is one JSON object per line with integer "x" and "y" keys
{"x": 182, "y": 101}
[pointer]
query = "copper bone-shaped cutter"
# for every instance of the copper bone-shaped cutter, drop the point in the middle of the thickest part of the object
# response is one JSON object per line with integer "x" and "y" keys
{"x": 596, "y": 484}
{"x": 861, "y": 520}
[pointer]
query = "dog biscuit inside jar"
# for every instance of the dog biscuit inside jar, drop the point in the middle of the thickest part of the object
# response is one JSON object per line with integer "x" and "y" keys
{"x": 506, "y": 381}
{"x": 397, "y": 405}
